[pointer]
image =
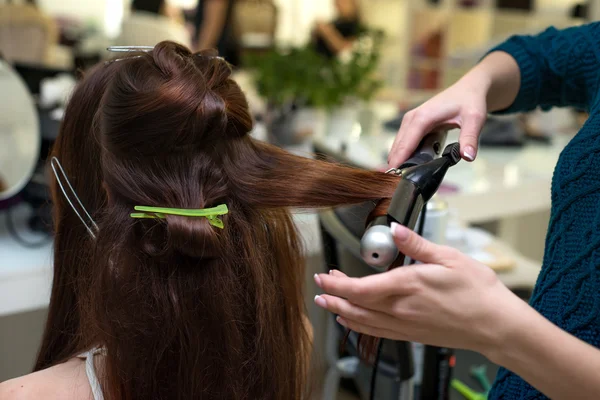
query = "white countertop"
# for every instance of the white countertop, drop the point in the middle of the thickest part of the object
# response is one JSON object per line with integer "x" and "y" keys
{"x": 25, "y": 273}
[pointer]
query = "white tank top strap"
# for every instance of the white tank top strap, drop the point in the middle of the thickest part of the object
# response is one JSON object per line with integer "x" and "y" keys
{"x": 90, "y": 371}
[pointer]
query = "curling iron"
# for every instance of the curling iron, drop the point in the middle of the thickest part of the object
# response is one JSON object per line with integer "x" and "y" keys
{"x": 421, "y": 175}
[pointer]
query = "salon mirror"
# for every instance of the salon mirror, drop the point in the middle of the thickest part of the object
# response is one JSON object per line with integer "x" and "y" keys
{"x": 20, "y": 137}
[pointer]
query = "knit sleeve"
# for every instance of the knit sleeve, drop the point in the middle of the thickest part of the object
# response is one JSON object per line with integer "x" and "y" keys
{"x": 558, "y": 67}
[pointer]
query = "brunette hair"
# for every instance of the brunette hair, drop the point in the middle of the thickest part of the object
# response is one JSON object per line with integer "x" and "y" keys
{"x": 183, "y": 309}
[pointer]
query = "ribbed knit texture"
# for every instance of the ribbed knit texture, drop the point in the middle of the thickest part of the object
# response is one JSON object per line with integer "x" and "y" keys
{"x": 561, "y": 68}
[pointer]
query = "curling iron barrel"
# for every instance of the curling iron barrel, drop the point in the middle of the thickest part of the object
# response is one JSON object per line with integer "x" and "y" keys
{"x": 421, "y": 176}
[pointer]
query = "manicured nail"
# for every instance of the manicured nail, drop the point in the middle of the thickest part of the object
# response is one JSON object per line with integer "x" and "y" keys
{"x": 400, "y": 232}
{"x": 318, "y": 280}
{"x": 320, "y": 301}
{"x": 341, "y": 321}
{"x": 469, "y": 153}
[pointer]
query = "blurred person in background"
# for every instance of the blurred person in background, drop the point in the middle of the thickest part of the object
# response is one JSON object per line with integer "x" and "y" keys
{"x": 331, "y": 38}
{"x": 213, "y": 29}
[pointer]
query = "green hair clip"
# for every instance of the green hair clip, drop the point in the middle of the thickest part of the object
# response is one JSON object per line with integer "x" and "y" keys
{"x": 212, "y": 214}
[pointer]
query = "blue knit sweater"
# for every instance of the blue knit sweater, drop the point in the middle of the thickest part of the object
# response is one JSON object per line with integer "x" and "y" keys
{"x": 562, "y": 68}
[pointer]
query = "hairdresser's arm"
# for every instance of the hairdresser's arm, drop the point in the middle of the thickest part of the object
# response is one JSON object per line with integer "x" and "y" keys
{"x": 454, "y": 301}
{"x": 332, "y": 37}
{"x": 556, "y": 363}
{"x": 215, "y": 12}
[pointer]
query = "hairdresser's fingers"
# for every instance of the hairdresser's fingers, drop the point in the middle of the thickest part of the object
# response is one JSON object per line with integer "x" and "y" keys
{"x": 417, "y": 248}
{"x": 415, "y": 125}
{"x": 351, "y": 311}
{"x": 335, "y": 272}
{"x": 472, "y": 123}
{"x": 373, "y": 288}
{"x": 406, "y": 140}
{"x": 370, "y": 330}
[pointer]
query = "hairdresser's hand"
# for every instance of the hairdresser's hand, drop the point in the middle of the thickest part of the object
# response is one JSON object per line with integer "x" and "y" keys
{"x": 451, "y": 301}
{"x": 492, "y": 85}
{"x": 462, "y": 105}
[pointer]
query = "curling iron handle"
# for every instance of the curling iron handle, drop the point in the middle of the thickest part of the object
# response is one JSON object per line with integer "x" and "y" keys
{"x": 431, "y": 147}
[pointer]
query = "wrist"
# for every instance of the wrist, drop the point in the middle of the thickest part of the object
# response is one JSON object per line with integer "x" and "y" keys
{"x": 508, "y": 323}
{"x": 479, "y": 79}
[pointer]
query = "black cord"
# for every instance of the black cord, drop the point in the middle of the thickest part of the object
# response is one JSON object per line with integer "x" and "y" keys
{"x": 375, "y": 365}
{"x": 421, "y": 226}
{"x": 380, "y": 344}
{"x": 12, "y": 230}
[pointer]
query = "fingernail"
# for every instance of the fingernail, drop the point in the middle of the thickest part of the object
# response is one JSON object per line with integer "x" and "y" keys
{"x": 341, "y": 321}
{"x": 469, "y": 153}
{"x": 318, "y": 280}
{"x": 330, "y": 272}
{"x": 400, "y": 232}
{"x": 320, "y": 301}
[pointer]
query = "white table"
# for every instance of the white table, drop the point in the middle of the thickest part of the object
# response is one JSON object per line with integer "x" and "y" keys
{"x": 25, "y": 274}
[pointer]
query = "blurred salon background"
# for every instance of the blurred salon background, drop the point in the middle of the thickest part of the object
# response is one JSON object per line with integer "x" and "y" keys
{"x": 325, "y": 78}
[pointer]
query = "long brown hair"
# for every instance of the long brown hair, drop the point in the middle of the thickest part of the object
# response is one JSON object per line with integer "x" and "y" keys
{"x": 183, "y": 309}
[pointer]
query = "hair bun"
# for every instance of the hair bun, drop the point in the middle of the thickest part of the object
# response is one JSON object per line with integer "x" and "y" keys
{"x": 188, "y": 236}
{"x": 170, "y": 99}
{"x": 193, "y": 237}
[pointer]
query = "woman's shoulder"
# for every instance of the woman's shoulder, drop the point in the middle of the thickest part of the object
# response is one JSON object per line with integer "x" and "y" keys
{"x": 64, "y": 381}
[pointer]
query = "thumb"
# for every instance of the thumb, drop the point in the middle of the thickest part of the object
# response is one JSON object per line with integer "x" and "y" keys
{"x": 469, "y": 135}
{"x": 414, "y": 246}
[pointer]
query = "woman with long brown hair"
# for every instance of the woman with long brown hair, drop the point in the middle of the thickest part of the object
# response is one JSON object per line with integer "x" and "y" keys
{"x": 172, "y": 306}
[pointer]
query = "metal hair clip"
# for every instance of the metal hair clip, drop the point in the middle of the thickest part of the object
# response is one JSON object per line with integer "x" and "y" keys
{"x": 123, "y": 49}
{"x": 91, "y": 226}
{"x": 145, "y": 49}
{"x": 127, "y": 49}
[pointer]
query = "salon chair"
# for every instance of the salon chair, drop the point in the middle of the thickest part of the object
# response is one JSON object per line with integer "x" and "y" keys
{"x": 255, "y": 24}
